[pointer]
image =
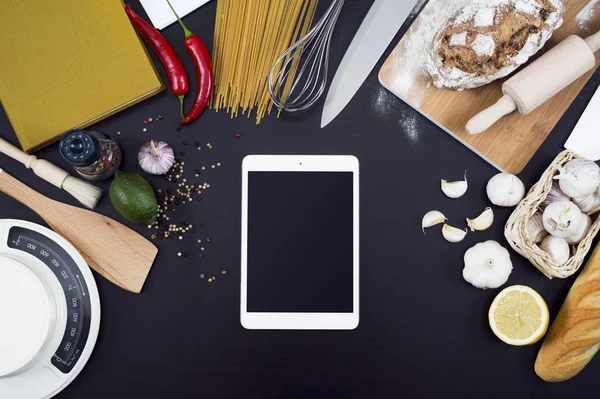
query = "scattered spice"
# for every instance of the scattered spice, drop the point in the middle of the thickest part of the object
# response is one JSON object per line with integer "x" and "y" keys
{"x": 182, "y": 153}
{"x": 118, "y": 133}
{"x": 145, "y": 121}
{"x": 178, "y": 128}
{"x": 149, "y": 119}
{"x": 170, "y": 198}
{"x": 160, "y": 116}
{"x": 237, "y": 136}
{"x": 185, "y": 142}
{"x": 197, "y": 144}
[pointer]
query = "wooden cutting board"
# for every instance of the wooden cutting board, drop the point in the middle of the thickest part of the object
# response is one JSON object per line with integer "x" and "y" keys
{"x": 511, "y": 142}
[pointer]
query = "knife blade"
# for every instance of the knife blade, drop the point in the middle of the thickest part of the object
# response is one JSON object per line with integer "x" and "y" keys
{"x": 585, "y": 138}
{"x": 377, "y": 30}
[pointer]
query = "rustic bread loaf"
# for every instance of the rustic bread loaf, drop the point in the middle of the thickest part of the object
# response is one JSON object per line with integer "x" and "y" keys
{"x": 574, "y": 337}
{"x": 488, "y": 39}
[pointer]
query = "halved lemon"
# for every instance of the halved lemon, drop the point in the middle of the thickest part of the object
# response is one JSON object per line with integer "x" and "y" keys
{"x": 519, "y": 316}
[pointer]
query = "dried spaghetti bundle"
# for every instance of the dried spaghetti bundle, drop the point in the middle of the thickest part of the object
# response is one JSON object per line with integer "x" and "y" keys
{"x": 249, "y": 37}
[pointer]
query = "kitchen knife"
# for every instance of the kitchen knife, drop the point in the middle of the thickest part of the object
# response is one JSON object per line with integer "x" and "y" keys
{"x": 372, "y": 38}
{"x": 585, "y": 139}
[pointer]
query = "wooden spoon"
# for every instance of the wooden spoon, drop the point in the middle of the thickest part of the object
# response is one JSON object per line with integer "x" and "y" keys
{"x": 110, "y": 248}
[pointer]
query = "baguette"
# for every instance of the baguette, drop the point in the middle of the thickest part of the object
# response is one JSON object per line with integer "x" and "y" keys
{"x": 574, "y": 337}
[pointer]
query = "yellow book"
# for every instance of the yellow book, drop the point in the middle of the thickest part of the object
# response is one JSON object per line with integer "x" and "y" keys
{"x": 67, "y": 64}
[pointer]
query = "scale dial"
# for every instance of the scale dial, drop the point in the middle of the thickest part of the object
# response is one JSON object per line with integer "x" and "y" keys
{"x": 50, "y": 303}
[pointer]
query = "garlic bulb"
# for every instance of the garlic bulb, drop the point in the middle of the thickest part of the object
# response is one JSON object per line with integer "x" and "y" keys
{"x": 557, "y": 248}
{"x": 487, "y": 265}
{"x": 452, "y": 234}
{"x": 555, "y": 194}
{"x": 483, "y": 221}
{"x": 579, "y": 177}
{"x": 455, "y": 189}
{"x": 561, "y": 219}
{"x": 156, "y": 157}
{"x": 432, "y": 218}
{"x": 505, "y": 189}
{"x": 589, "y": 203}
{"x": 535, "y": 228}
{"x": 581, "y": 230}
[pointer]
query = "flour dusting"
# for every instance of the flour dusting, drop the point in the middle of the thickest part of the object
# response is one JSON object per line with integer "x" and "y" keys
{"x": 485, "y": 17}
{"x": 459, "y": 39}
{"x": 409, "y": 61}
{"x": 483, "y": 45}
{"x": 588, "y": 14}
{"x": 409, "y": 123}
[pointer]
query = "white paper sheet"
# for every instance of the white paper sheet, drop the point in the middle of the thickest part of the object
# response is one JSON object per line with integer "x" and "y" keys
{"x": 161, "y": 15}
{"x": 585, "y": 139}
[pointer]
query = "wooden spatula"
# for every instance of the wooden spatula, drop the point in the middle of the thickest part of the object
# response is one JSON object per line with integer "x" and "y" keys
{"x": 113, "y": 250}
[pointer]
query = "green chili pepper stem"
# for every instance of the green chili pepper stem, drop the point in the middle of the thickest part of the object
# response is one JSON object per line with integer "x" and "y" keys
{"x": 187, "y": 32}
{"x": 181, "y": 97}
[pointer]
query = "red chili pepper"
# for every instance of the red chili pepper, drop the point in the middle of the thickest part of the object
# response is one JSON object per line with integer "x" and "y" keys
{"x": 167, "y": 56}
{"x": 195, "y": 46}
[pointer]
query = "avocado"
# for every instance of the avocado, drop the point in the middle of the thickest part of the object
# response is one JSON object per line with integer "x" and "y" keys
{"x": 133, "y": 197}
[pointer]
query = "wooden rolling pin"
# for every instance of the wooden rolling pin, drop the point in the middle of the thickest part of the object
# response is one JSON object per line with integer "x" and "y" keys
{"x": 541, "y": 80}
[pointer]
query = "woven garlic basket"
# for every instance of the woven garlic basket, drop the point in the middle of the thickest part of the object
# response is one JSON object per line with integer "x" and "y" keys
{"x": 515, "y": 230}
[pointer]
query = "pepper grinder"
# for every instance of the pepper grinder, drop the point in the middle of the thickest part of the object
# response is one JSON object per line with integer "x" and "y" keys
{"x": 94, "y": 155}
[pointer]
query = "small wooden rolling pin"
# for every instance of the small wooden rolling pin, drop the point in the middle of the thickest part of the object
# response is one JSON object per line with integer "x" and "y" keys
{"x": 541, "y": 80}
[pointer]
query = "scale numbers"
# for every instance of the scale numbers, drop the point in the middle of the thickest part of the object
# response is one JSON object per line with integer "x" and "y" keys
{"x": 67, "y": 273}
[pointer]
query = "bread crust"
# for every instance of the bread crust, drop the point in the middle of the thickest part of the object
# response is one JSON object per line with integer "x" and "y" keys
{"x": 574, "y": 337}
{"x": 488, "y": 39}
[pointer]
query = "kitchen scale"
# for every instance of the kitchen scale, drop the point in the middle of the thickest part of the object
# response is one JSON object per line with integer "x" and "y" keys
{"x": 49, "y": 311}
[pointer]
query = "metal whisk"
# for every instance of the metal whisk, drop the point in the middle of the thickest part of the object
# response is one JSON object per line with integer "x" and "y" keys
{"x": 310, "y": 57}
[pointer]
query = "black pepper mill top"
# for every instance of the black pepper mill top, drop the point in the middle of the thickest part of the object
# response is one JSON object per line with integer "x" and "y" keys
{"x": 79, "y": 148}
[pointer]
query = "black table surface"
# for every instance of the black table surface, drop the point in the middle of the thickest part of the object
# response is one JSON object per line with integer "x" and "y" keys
{"x": 423, "y": 330}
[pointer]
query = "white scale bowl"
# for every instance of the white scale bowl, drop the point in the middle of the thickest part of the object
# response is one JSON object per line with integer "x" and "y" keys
{"x": 33, "y": 318}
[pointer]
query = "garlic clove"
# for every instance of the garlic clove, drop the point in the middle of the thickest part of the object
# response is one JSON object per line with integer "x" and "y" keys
{"x": 557, "y": 248}
{"x": 452, "y": 234}
{"x": 156, "y": 157}
{"x": 432, "y": 218}
{"x": 562, "y": 219}
{"x": 555, "y": 194}
{"x": 487, "y": 265}
{"x": 579, "y": 231}
{"x": 589, "y": 203}
{"x": 579, "y": 177}
{"x": 505, "y": 190}
{"x": 535, "y": 228}
{"x": 455, "y": 189}
{"x": 483, "y": 221}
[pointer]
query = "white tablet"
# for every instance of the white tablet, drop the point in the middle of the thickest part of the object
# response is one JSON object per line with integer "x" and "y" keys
{"x": 300, "y": 242}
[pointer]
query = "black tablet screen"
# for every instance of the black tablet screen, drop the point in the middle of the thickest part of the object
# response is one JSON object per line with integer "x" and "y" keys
{"x": 300, "y": 242}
